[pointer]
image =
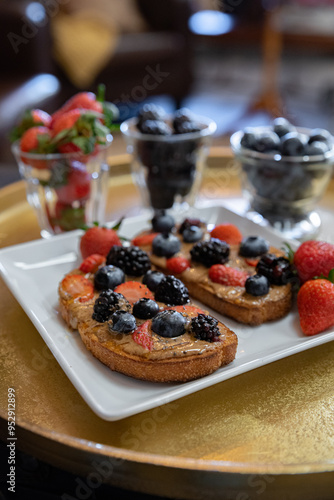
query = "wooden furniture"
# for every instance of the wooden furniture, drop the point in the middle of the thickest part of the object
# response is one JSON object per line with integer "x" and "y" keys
{"x": 265, "y": 434}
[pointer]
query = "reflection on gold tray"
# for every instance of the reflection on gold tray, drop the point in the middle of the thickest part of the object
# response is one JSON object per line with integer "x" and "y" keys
{"x": 277, "y": 421}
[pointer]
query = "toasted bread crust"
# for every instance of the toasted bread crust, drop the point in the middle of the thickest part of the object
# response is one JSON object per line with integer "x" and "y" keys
{"x": 181, "y": 369}
{"x": 168, "y": 370}
{"x": 243, "y": 313}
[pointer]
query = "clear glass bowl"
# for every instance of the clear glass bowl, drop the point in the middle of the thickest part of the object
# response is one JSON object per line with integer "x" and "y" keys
{"x": 168, "y": 169}
{"x": 67, "y": 191}
{"x": 284, "y": 190}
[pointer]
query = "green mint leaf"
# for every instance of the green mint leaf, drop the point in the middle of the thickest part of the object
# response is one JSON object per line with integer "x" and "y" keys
{"x": 86, "y": 144}
{"x": 118, "y": 224}
{"x": 289, "y": 252}
{"x": 101, "y": 92}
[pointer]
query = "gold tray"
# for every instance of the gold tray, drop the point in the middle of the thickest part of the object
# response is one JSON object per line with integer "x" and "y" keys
{"x": 269, "y": 432}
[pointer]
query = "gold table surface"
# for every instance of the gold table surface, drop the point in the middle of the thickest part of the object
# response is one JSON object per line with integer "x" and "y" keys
{"x": 269, "y": 431}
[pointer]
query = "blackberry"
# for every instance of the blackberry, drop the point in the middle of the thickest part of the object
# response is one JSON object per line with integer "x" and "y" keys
{"x": 172, "y": 291}
{"x": 210, "y": 252}
{"x": 205, "y": 327}
{"x": 277, "y": 269}
{"x": 187, "y": 223}
{"x": 132, "y": 260}
{"x": 107, "y": 303}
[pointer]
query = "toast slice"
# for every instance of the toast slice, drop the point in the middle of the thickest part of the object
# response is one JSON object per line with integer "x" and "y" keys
{"x": 231, "y": 301}
{"x": 142, "y": 353}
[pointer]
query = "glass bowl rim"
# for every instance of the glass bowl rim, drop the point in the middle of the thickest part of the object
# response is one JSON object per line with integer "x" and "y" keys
{"x": 238, "y": 150}
{"x": 209, "y": 129}
{"x": 55, "y": 156}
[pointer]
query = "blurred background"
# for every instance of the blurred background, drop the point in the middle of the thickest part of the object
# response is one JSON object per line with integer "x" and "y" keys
{"x": 240, "y": 62}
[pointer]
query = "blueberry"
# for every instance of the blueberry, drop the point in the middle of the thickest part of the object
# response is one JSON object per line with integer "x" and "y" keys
{"x": 145, "y": 308}
{"x": 188, "y": 128}
{"x": 252, "y": 246}
{"x": 293, "y": 144}
{"x": 152, "y": 279}
{"x": 162, "y": 222}
{"x": 150, "y": 112}
{"x": 155, "y": 127}
{"x": 257, "y": 285}
{"x": 182, "y": 116}
{"x": 108, "y": 277}
{"x": 316, "y": 148}
{"x": 322, "y": 135}
{"x": 192, "y": 234}
{"x": 166, "y": 245}
{"x": 123, "y": 322}
{"x": 169, "y": 323}
{"x": 248, "y": 139}
{"x": 266, "y": 142}
{"x": 282, "y": 126}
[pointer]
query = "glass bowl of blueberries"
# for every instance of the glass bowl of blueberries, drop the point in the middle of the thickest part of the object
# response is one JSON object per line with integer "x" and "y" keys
{"x": 285, "y": 171}
{"x": 168, "y": 155}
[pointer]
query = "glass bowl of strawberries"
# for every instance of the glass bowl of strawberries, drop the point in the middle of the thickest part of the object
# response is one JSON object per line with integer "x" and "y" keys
{"x": 63, "y": 160}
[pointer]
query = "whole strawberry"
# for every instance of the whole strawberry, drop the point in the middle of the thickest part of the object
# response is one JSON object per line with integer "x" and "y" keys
{"x": 314, "y": 258}
{"x": 31, "y": 118}
{"x": 82, "y": 100}
{"x": 98, "y": 239}
{"x": 315, "y": 302}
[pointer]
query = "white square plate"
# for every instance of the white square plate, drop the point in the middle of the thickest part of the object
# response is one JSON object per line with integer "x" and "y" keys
{"x": 33, "y": 270}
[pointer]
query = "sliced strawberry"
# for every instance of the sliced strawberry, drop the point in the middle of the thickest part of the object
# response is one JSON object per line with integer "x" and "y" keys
{"x": 77, "y": 286}
{"x": 142, "y": 336}
{"x": 252, "y": 262}
{"x": 133, "y": 291}
{"x": 176, "y": 265}
{"x": 92, "y": 263}
{"x": 143, "y": 239}
{"x": 190, "y": 311}
{"x": 218, "y": 273}
{"x": 227, "y": 232}
{"x": 99, "y": 240}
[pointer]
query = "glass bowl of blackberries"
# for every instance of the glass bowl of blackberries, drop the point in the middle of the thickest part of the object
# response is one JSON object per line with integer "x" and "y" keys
{"x": 169, "y": 153}
{"x": 285, "y": 171}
